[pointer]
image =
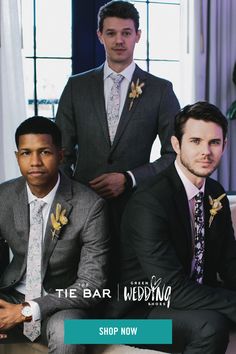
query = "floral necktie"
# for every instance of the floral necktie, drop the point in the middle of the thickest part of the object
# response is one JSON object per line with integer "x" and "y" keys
{"x": 199, "y": 238}
{"x": 33, "y": 273}
{"x": 113, "y": 105}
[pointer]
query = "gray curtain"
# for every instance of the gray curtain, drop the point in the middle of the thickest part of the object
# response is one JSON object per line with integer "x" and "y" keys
{"x": 214, "y": 59}
{"x": 12, "y": 99}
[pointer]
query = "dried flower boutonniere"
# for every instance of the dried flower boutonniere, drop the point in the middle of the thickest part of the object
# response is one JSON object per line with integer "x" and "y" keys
{"x": 58, "y": 221}
{"x": 215, "y": 206}
{"x": 136, "y": 91}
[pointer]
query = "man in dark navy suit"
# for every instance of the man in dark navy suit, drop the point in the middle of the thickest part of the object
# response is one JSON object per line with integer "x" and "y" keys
{"x": 178, "y": 228}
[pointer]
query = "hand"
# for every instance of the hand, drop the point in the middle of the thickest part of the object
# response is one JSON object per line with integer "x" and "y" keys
{"x": 109, "y": 185}
{"x": 10, "y": 316}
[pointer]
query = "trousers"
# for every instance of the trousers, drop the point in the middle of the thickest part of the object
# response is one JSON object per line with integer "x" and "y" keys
{"x": 52, "y": 329}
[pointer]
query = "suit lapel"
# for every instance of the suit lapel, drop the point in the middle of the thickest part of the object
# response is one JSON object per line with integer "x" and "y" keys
{"x": 183, "y": 211}
{"x": 212, "y": 230}
{"x": 21, "y": 217}
{"x": 206, "y": 210}
{"x": 183, "y": 215}
{"x": 21, "y": 211}
{"x": 63, "y": 196}
{"x": 128, "y": 113}
{"x": 97, "y": 94}
{"x": 182, "y": 207}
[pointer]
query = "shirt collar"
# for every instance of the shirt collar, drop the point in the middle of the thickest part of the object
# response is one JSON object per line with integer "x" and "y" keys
{"x": 48, "y": 198}
{"x": 190, "y": 188}
{"x": 127, "y": 72}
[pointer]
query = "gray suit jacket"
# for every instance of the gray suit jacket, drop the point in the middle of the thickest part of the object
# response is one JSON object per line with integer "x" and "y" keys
{"x": 82, "y": 118}
{"x": 78, "y": 256}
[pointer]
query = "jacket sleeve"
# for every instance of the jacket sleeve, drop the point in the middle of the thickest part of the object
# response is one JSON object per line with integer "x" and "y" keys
{"x": 227, "y": 264}
{"x": 169, "y": 106}
{"x": 4, "y": 255}
{"x": 66, "y": 122}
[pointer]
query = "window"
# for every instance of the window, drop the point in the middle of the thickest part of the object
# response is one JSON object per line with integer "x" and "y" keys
{"x": 47, "y": 45}
{"x": 159, "y": 48}
{"x": 47, "y": 49}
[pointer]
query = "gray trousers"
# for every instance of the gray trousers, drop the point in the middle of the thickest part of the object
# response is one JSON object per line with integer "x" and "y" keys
{"x": 52, "y": 329}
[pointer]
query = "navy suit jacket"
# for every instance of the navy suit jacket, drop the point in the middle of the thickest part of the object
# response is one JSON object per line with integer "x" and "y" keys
{"x": 157, "y": 240}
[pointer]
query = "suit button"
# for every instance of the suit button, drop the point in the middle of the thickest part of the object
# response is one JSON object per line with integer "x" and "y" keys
{"x": 110, "y": 161}
{"x": 13, "y": 281}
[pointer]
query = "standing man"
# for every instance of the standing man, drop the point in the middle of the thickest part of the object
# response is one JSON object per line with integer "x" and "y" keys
{"x": 111, "y": 115}
{"x": 178, "y": 229}
{"x": 56, "y": 231}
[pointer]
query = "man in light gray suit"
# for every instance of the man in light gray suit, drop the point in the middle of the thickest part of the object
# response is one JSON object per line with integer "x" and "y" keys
{"x": 114, "y": 158}
{"x": 73, "y": 236}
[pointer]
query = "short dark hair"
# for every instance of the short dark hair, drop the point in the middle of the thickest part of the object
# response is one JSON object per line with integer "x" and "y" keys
{"x": 39, "y": 125}
{"x": 200, "y": 111}
{"x": 120, "y": 9}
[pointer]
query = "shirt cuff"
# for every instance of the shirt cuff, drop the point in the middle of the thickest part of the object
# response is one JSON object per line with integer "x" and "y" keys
{"x": 133, "y": 179}
{"x": 36, "y": 314}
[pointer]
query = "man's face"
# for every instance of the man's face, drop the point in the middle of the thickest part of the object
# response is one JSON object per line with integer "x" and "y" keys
{"x": 201, "y": 149}
{"x": 38, "y": 159}
{"x": 119, "y": 38}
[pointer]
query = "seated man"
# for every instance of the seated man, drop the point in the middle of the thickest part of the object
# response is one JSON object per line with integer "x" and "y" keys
{"x": 178, "y": 229}
{"x": 56, "y": 230}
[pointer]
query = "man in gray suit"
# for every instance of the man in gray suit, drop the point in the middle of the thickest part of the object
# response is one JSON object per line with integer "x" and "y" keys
{"x": 107, "y": 133}
{"x": 73, "y": 238}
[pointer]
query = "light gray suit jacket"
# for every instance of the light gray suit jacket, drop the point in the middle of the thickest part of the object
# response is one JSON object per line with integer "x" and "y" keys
{"x": 78, "y": 256}
{"x": 82, "y": 118}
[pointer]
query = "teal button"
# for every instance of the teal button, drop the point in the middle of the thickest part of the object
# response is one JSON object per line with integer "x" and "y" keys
{"x": 118, "y": 332}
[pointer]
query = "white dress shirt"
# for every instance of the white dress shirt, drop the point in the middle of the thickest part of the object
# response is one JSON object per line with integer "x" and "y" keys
{"x": 48, "y": 199}
{"x": 108, "y": 83}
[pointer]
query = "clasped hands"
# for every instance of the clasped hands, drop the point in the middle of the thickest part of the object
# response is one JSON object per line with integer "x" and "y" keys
{"x": 10, "y": 316}
{"x": 109, "y": 185}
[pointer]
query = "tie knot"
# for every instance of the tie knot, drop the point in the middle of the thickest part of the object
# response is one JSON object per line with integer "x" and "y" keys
{"x": 116, "y": 78}
{"x": 199, "y": 197}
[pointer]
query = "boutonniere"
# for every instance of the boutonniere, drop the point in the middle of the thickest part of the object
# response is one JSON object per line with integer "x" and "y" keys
{"x": 136, "y": 91}
{"x": 58, "y": 220}
{"x": 215, "y": 206}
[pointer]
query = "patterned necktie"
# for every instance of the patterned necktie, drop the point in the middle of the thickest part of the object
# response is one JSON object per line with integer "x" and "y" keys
{"x": 33, "y": 273}
{"x": 199, "y": 238}
{"x": 113, "y": 105}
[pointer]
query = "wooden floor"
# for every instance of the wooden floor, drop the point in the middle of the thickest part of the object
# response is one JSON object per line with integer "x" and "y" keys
{"x": 96, "y": 349}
